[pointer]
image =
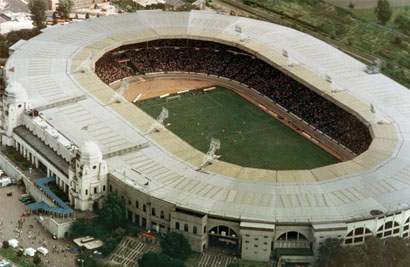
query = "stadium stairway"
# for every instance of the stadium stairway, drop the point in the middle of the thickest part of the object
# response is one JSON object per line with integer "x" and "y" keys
{"x": 61, "y": 209}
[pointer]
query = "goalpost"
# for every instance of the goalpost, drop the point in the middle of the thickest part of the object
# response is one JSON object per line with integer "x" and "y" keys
{"x": 171, "y": 98}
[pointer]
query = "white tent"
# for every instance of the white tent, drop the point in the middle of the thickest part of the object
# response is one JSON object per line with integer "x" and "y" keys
{"x": 30, "y": 252}
{"x": 42, "y": 250}
{"x": 13, "y": 243}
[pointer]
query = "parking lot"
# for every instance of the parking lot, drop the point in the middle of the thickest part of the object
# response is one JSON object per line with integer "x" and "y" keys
{"x": 31, "y": 233}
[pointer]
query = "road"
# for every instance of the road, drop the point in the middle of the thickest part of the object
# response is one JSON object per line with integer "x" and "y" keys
{"x": 16, "y": 6}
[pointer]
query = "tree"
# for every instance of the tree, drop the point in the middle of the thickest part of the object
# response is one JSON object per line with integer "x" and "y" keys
{"x": 405, "y": 262}
{"x": 113, "y": 211}
{"x": 396, "y": 249}
{"x": 375, "y": 250}
{"x": 38, "y": 12}
{"x": 351, "y": 5}
{"x": 87, "y": 15}
{"x": 328, "y": 251}
{"x": 81, "y": 227}
{"x": 6, "y": 244}
{"x": 36, "y": 260}
{"x": 176, "y": 246}
{"x": 20, "y": 253}
{"x": 383, "y": 11}
{"x": 64, "y": 8}
{"x": 403, "y": 23}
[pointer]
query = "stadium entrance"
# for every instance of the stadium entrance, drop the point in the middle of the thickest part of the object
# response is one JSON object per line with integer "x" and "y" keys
{"x": 223, "y": 237}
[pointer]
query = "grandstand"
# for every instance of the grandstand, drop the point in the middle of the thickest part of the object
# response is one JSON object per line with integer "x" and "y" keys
{"x": 57, "y": 90}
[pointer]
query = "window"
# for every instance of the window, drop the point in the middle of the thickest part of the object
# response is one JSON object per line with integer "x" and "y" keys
{"x": 137, "y": 205}
{"x": 195, "y": 230}
{"x": 144, "y": 208}
{"x": 247, "y": 241}
{"x": 388, "y": 229}
{"x": 86, "y": 191}
{"x": 104, "y": 188}
{"x": 256, "y": 239}
{"x": 255, "y": 246}
{"x": 110, "y": 188}
{"x": 177, "y": 225}
{"x": 153, "y": 211}
{"x": 162, "y": 214}
{"x": 186, "y": 228}
{"x": 357, "y": 235}
{"x": 406, "y": 228}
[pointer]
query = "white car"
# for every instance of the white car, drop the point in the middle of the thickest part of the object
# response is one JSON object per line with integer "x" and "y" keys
{"x": 43, "y": 250}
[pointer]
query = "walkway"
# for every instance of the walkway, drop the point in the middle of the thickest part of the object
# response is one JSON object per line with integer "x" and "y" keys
{"x": 62, "y": 209}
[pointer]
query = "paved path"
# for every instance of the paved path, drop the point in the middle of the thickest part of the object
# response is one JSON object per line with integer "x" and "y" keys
{"x": 31, "y": 233}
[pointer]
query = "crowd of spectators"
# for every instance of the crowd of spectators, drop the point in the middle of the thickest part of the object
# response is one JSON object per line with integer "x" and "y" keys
{"x": 230, "y": 62}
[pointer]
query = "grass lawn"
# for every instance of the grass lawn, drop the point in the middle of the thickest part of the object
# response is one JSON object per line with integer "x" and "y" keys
{"x": 343, "y": 26}
{"x": 23, "y": 261}
{"x": 369, "y": 14}
{"x": 249, "y": 136}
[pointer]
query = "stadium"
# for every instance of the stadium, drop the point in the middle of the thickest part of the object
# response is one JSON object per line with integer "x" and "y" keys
{"x": 64, "y": 111}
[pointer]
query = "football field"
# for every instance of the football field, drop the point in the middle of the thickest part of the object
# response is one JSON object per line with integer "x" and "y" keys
{"x": 249, "y": 136}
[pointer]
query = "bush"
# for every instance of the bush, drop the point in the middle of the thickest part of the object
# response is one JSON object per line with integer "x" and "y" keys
{"x": 20, "y": 253}
{"x": 36, "y": 260}
{"x": 396, "y": 40}
{"x": 6, "y": 244}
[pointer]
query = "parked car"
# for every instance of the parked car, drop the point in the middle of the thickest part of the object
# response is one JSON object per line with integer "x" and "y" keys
{"x": 28, "y": 199}
{"x": 24, "y": 197}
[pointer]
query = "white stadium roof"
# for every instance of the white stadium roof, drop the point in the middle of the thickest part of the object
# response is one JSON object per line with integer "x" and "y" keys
{"x": 378, "y": 179}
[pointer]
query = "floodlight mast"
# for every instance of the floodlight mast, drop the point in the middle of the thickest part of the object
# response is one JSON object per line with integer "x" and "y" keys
{"x": 87, "y": 64}
{"x": 158, "y": 125}
{"x": 118, "y": 96}
{"x": 210, "y": 155}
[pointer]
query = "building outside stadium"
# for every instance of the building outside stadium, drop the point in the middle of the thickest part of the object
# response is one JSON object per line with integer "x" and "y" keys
{"x": 64, "y": 119}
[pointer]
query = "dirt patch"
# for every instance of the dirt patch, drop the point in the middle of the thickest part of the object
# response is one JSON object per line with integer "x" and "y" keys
{"x": 156, "y": 88}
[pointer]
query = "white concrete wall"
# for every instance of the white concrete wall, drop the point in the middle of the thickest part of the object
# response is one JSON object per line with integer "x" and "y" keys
{"x": 50, "y": 141}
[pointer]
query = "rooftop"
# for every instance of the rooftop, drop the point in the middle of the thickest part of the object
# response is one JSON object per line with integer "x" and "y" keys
{"x": 375, "y": 180}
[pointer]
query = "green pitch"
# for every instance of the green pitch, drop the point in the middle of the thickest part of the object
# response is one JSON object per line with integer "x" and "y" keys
{"x": 249, "y": 136}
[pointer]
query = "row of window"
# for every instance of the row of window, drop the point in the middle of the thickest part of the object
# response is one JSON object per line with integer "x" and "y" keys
{"x": 391, "y": 228}
{"x": 186, "y": 228}
{"x": 144, "y": 209}
{"x": 95, "y": 190}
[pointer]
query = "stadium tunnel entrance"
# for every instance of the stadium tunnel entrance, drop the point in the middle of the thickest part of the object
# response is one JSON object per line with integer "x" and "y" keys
{"x": 223, "y": 237}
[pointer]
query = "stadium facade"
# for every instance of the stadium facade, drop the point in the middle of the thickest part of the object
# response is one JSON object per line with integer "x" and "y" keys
{"x": 61, "y": 117}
